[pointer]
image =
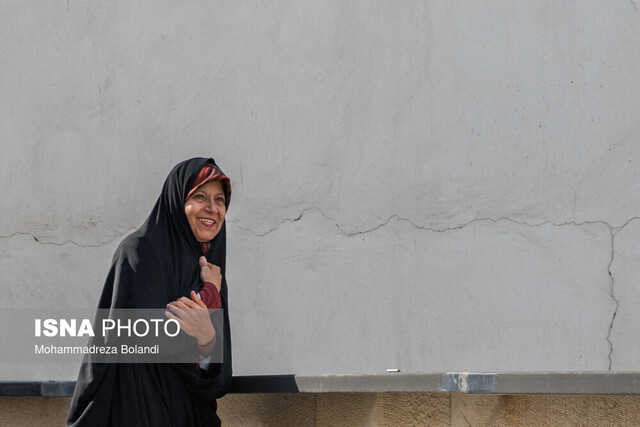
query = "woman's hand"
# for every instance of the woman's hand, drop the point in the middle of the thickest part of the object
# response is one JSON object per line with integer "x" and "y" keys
{"x": 193, "y": 317}
{"x": 210, "y": 273}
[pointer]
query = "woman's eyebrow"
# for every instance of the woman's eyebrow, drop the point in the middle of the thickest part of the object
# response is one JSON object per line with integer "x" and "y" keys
{"x": 206, "y": 194}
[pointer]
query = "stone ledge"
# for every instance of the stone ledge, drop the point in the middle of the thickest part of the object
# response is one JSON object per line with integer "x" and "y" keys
{"x": 607, "y": 383}
{"x": 36, "y": 388}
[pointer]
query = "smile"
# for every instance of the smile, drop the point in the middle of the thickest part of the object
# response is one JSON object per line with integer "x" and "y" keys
{"x": 206, "y": 221}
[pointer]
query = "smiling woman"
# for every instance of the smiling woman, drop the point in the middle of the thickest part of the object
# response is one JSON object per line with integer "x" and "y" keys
{"x": 176, "y": 259}
{"x": 205, "y": 210}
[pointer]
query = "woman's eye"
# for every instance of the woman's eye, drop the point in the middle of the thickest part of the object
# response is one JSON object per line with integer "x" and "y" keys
{"x": 220, "y": 200}
{"x": 198, "y": 197}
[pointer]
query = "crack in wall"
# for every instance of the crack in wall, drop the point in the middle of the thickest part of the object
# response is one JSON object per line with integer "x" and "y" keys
{"x": 614, "y": 233}
{"x": 420, "y": 227}
{"x": 613, "y": 230}
{"x": 249, "y": 230}
{"x": 613, "y": 297}
{"x": 69, "y": 241}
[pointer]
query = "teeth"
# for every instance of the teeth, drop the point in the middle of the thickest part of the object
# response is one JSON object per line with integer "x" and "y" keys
{"x": 207, "y": 221}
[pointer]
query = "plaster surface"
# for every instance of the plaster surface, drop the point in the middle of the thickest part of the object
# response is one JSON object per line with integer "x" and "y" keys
{"x": 417, "y": 185}
{"x": 491, "y": 296}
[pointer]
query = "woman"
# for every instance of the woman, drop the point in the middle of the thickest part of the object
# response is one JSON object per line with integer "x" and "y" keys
{"x": 155, "y": 267}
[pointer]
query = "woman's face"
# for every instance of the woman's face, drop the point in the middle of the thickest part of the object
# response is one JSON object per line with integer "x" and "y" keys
{"x": 205, "y": 211}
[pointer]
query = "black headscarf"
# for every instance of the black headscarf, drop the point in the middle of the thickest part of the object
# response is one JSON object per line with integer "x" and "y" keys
{"x": 153, "y": 266}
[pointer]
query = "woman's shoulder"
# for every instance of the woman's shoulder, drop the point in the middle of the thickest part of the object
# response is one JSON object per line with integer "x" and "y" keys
{"x": 135, "y": 248}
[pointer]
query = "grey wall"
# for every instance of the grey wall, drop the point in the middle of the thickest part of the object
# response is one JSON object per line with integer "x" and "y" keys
{"x": 422, "y": 185}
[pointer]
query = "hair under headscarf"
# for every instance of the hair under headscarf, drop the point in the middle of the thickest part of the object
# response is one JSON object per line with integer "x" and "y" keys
{"x": 211, "y": 172}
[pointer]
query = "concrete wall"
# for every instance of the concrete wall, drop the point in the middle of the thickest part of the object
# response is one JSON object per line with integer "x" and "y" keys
{"x": 422, "y": 185}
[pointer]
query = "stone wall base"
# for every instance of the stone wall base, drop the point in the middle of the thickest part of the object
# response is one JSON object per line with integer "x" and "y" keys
{"x": 377, "y": 409}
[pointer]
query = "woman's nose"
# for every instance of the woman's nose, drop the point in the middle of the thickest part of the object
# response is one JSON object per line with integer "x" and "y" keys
{"x": 211, "y": 205}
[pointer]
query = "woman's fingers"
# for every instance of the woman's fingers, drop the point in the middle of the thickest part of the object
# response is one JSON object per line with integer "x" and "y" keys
{"x": 197, "y": 300}
{"x": 210, "y": 272}
{"x": 188, "y": 303}
{"x": 176, "y": 312}
{"x": 184, "y": 302}
{"x": 170, "y": 315}
{"x": 192, "y": 315}
{"x": 194, "y": 321}
{"x": 203, "y": 261}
